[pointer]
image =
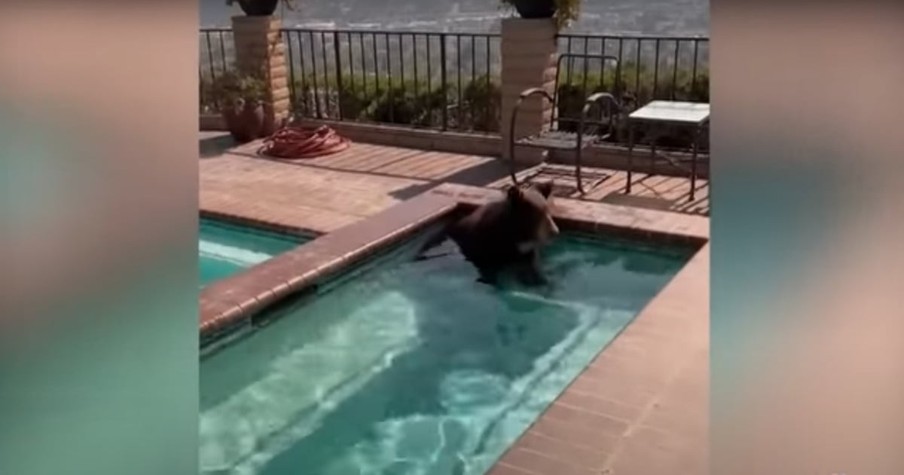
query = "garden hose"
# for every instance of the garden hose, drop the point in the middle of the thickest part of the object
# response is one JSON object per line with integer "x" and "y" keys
{"x": 303, "y": 142}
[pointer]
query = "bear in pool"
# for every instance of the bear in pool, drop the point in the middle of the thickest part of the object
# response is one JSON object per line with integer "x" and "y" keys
{"x": 507, "y": 233}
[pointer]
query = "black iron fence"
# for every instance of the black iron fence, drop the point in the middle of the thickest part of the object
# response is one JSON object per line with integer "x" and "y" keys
{"x": 425, "y": 79}
{"x": 673, "y": 68}
{"x": 450, "y": 81}
{"x": 216, "y": 57}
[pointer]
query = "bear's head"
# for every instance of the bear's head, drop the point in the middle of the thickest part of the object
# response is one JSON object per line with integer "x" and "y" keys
{"x": 530, "y": 209}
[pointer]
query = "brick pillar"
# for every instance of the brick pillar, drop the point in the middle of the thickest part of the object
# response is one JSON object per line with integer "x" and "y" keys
{"x": 529, "y": 55}
{"x": 259, "y": 47}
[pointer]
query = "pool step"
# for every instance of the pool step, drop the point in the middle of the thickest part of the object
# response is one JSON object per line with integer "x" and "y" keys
{"x": 233, "y": 255}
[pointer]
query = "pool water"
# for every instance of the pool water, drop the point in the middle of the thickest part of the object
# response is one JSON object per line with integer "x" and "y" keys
{"x": 225, "y": 249}
{"x": 413, "y": 367}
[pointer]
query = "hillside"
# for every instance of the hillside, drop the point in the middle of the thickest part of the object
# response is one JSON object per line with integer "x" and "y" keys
{"x": 649, "y": 17}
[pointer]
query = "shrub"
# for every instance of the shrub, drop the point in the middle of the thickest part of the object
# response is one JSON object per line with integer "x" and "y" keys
{"x": 409, "y": 103}
{"x": 415, "y": 104}
{"x": 403, "y": 105}
{"x": 206, "y": 96}
{"x": 482, "y": 102}
{"x": 232, "y": 86}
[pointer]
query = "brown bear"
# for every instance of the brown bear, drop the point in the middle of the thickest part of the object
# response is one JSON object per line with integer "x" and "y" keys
{"x": 508, "y": 233}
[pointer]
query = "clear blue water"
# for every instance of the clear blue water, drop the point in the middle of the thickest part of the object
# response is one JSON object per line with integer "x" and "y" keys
{"x": 412, "y": 367}
{"x": 225, "y": 249}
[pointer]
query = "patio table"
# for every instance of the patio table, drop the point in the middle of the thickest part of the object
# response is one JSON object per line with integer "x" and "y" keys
{"x": 658, "y": 115}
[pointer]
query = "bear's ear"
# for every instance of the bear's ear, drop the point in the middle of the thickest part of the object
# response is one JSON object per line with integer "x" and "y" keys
{"x": 545, "y": 188}
{"x": 513, "y": 192}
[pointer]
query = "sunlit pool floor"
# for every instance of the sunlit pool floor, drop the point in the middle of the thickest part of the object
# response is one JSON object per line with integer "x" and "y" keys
{"x": 414, "y": 368}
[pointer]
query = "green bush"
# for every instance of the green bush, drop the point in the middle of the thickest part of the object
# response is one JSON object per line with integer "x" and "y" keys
{"x": 230, "y": 86}
{"x": 482, "y": 102}
{"x": 227, "y": 87}
{"x": 206, "y": 96}
{"x": 409, "y": 103}
{"x": 639, "y": 83}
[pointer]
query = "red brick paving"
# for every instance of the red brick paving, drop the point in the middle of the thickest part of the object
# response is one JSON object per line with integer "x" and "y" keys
{"x": 327, "y": 193}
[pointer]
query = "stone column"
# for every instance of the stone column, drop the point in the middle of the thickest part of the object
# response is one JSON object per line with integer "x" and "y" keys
{"x": 529, "y": 56}
{"x": 259, "y": 48}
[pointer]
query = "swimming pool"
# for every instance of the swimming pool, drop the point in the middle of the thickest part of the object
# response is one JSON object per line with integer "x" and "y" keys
{"x": 411, "y": 367}
{"x": 225, "y": 249}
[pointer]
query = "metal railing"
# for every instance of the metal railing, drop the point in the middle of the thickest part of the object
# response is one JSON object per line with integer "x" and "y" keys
{"x": 650, "y": 67}
{"x": 450, "y": 81}
{"x": 426, "y": 79}
{"x": 216, "y": 56}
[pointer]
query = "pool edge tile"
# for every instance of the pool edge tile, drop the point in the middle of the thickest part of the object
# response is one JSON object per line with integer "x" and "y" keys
{"x": 690, "y": 287}
{"x": 255, "y": 289}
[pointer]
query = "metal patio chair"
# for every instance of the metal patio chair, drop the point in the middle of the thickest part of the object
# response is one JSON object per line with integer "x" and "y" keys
{"x": 559, "y": 138}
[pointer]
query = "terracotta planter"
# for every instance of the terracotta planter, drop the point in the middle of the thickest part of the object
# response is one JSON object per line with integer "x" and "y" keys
{"x": 269, "y": 125}
{"x": 246, "y": 121}
{"x": 535, "y": 8}
{"x": 258, "y": 7}
{"x": 231, "y": 116}
{"x": 253, "y": 119}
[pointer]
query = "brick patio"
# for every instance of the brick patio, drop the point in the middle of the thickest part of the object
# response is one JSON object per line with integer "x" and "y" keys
{"x": 327, "y": 193}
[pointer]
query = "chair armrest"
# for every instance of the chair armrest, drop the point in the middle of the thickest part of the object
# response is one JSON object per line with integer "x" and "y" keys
{"x": 535, "y": 91}
{"x": 599, "y": 96}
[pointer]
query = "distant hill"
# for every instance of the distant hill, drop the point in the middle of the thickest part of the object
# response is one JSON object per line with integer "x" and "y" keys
{"x": 649, "y": 17}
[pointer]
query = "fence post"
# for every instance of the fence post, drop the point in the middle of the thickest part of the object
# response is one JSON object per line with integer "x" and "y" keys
{"x": 529, "y": 53}
{"x": 445, "y": 85}
{"x": 339, "y": 88}
{"x": 259, "y": 47}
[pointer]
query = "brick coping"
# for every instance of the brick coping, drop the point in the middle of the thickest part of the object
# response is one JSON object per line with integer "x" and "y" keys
{"x": 265, "y": 224}
{"x": 602, "y": 218}
{"x": 640, "y": 406}
{"x": 229, "y": 303}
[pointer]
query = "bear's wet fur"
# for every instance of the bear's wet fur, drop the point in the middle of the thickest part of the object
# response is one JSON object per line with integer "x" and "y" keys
{"x": 508, "y": 233}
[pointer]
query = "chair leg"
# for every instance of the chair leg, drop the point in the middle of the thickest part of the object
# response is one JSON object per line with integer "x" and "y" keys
{"x": 577, "y": 170}
{"x": 696, "y": 145}
{"x": 653, "y": 138}
{"x": 630, "y": 157}
{"x": 511, "y": 147}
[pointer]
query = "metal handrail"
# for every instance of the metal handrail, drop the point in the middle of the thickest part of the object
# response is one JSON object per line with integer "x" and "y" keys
{"x": 535, "y": 91}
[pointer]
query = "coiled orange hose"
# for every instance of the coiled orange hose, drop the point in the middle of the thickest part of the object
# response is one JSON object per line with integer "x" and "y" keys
{"x": 303, "y": 142}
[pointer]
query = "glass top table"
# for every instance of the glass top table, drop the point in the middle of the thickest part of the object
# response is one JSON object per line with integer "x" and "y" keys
{"x": 666, "y": 114}
{"x": 691, "y": 113}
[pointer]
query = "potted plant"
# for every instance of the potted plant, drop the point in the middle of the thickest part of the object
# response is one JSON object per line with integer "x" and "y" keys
{"x": 241, "y": 98}
{"x": 260, "y": 7}
{"x": 563, "y": 11}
